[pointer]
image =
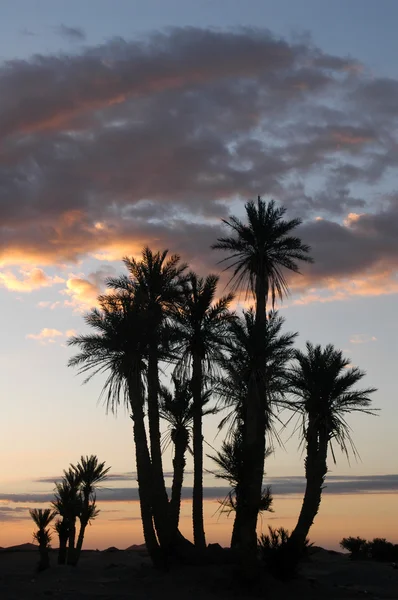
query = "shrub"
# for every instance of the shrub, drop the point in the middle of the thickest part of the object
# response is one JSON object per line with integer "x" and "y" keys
{"x": 356, "y": 546}
{"x": 279, "y": 557}
{"x": 382, "y": 550}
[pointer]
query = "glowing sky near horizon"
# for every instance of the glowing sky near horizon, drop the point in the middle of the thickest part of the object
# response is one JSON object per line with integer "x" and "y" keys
{"x": 116, "y": 131}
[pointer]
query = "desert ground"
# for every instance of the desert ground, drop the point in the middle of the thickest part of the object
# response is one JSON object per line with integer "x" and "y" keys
{"x": 121, "y": 574}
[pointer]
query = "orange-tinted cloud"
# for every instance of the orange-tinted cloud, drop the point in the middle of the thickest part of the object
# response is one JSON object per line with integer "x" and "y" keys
{"x": 49, "y": 336}
{"x": 30, "y": 280}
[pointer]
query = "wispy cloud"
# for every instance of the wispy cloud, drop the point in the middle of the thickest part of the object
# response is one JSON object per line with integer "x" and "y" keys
{"x": 362, "y": 338}
{"x": 49, "y": 335}
{"x": 280, "y": 486}
{"x": 72, "y": 34}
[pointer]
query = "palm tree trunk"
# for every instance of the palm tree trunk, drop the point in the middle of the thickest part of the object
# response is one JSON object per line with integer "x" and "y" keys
{"x": 63, "y": 541}
{"x": 79, "y": 543}
{"x": 144, "y": 468}
{"x": 180, "y": 445}
{"x": 236, "y": 530}
{"x": 71, "y": 542}
{"x": 316, "y": 469}
{"x": 197, "y": 500}
{"x": 254, "y": 430}
{"x": 44, "y": 562}
{"x": 159, "y": 494}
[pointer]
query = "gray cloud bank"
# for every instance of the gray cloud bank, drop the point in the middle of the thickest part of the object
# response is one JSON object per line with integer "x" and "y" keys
{"x": 280, "y": 486}
{"x": 151, "y": 141}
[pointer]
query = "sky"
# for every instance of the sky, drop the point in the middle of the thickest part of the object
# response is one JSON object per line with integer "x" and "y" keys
{"x": 147, "y": 122}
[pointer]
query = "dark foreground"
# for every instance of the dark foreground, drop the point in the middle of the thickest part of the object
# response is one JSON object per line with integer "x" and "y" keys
{"x": 121, "y": 575}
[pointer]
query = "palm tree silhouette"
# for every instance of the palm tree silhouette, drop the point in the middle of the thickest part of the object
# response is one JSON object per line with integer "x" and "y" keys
{"x": 90, "y": 472}
{"x": 321, "y": 382}
{"x": 232, "y": 387}
{"x": 177, "y": 410}
{"x": 156, "y": 283}
{"x": 229, "y": 460}
{"x": 260, "y": 252}
{"x": 67, "y": 505}
{"x": 118, "y": 349}
{"x": 42, "y": 519}
{"x": 203, "y": 324}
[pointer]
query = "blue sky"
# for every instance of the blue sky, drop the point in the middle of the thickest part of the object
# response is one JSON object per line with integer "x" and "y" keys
{"x": 112, "y": 138}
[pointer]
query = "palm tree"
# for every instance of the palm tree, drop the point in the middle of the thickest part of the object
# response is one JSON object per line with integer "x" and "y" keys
{"x": 260, "y": 252}
{"x": 156, "y": 282}
{"x": 74, "y": 510}
{"x": 90, "y": 473}
{"x": 203, "y": 328}
{"x": 230, "y": 463}
{"x": 233, "y": 385}
{"x": 67, "y": 505}
{"x": 177, "y": 410}
{"x": 236, "y": 368}
{"x": 321, "y": 382}
{"x": 42, "y": 519}
{"x": 118, "y": 348}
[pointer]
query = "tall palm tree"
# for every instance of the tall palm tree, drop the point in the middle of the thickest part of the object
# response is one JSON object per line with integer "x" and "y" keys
{"x": 156, "y": 281}
{"x": 90, "y": 473}
{"x": 260, "y": 252}
{"x": 42, "y": 519}
{"x": 321, "y": 382}
{"x": 177, "y": 410}
{"x": 118, "y": 349}
{"x": 229, "y": 460}
{"x": 203, "y": 328}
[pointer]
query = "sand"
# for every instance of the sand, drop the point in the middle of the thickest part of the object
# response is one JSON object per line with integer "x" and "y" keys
{"x": 122, "y": 574}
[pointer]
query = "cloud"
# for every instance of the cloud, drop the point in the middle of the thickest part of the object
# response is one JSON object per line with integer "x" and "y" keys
{"x": 72, "y": 34}
{"x": 49, "y": 336}
{"x": 335, "y": 484}
{"x": 83, "y": 292}
{"x": 30, "y": 280}
{"x": 361, "y": 338}
{"x": 152, "y": 141}
{"x": 13, "y": 513}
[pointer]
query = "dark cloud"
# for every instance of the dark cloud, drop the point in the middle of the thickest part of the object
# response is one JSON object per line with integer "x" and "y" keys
{"x": 335, "y": 484}
{"x": 111, "y": 477}
{"x": 15, "y": 513}
{"x": 73, "y": 34}
{"x": 152, "y": 141}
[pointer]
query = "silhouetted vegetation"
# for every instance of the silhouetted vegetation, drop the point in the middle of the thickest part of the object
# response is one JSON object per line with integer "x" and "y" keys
{"x": 378, "y": 549}
{"x": 241, "y": 363}
{"x": 42, "y": 519}
{"x": 275, "y": 551}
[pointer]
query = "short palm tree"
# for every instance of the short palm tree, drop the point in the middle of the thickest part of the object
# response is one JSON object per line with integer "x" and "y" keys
{"x": 233, "y": 384}
{"x": 229, "y": 460}
{"x": 177, "y": 410}
{"x": 203, "y": 323}
{"x": 90, "y": 473}
{"x": 260, "y": 252}
{"x": 156, "y": 283}
{"x": 118, "y": 349}
{"x": 42, "y": 519}
{"x": 321, "y": 383}
{"x": 67, "y": 505}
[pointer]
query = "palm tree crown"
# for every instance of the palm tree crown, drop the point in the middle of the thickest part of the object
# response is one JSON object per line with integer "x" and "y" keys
{"x": 321, "y": 382}
{"x": 202, "y": 322}
{"x": 232, "y": 387}
{"x": 262, "y": 248}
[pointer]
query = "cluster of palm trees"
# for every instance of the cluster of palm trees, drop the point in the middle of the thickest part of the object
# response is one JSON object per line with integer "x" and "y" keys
{"x": 75, "y": 500}
{"x": 160, "y": 313}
